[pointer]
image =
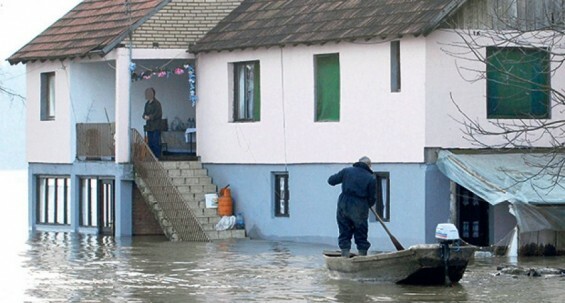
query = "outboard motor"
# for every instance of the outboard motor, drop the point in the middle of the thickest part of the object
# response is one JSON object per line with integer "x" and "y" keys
{"x": 446, "y": 234}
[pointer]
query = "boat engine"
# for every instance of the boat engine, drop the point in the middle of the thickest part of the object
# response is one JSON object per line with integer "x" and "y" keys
{"x": 446, "y": 234}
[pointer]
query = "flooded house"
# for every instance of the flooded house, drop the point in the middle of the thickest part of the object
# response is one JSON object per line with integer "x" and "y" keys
{"x": 284, "y": 94}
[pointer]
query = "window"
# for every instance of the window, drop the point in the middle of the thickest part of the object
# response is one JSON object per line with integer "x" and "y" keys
{"x": 97, "y": 204}
{"x": 247, "y": 93}
{"x": 518, "y": 83}
{"x": 53, "y": 200}
{"x": 327, "y": 87}
{"x": 395, "y": 66}
{"x": 282, "y": 195}
{"x": 383, "y": 196}
{"x": 47, "y": 96}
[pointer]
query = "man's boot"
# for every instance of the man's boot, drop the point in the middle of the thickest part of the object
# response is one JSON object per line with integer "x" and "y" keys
{"x": 362, "y": 252}
{"x": 345, "y": 253}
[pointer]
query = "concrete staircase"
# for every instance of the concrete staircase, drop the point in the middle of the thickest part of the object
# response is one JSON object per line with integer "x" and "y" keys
{"x": 192, "y": 182}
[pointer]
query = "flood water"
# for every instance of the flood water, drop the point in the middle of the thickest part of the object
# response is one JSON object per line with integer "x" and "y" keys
{"x": 60, "y": 267}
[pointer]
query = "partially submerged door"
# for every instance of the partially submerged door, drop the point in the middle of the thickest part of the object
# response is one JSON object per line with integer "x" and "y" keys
{"x": 97, "y": 205}
{"x": 473, "y": 216}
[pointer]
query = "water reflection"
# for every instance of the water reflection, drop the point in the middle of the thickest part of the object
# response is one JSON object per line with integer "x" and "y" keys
{"x": 62, "y": 267}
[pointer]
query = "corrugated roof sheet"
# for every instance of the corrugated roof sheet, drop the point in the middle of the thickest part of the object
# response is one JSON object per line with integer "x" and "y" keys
{"x": 264, "y": 23}
{"x": 92, "y": 26}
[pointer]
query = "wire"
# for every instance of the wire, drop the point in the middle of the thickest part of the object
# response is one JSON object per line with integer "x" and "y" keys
{"x": 283, "y": 111}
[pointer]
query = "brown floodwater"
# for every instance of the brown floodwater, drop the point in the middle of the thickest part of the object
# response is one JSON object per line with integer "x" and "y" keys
{"x": 60, "y": 267}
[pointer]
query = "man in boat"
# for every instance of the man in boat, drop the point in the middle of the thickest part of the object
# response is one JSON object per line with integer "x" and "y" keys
{"x": 358, "y": 194}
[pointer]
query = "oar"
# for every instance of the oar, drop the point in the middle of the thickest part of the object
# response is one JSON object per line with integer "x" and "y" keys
{"x": 392, "y": 238}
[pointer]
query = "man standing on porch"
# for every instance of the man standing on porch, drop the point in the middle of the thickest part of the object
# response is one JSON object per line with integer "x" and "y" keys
{"x": 152, "y": 115}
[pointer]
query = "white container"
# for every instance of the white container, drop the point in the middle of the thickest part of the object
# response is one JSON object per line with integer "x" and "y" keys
{"x": 211, "y": 200}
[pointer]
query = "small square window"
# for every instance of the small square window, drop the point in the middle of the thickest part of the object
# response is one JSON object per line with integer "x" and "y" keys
{"x": 518, "y": 83}
{"x": 281, "y": 194}
{"x": 47, "y": 96}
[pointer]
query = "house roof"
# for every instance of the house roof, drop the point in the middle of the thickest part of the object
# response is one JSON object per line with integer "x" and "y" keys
{"x": 265, "y": 23}
{"x": 92, "y": 27}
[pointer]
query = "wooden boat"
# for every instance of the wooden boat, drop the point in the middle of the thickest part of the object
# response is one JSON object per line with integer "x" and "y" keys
{"x": 419, "y": 264}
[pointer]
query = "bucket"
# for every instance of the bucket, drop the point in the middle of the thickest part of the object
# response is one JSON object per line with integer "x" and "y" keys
{"x": 211, "y": 200}
{"x": 225, "y": 202}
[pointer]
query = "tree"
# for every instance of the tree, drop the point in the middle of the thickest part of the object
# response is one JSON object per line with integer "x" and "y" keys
{"x": 9, "y": 93}
{"x": 519, "y": 46}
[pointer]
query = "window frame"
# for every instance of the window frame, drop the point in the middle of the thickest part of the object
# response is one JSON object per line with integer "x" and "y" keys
{"x": 498, "y": 66}
{"x": 277, "y": 176}
{"x": 97, "y": 203}
{"x": 47, "y": 96}
{"x": 395, "y": 73}
{"x": 45, "y": 200}
{"x": 321, "y": 83}
{"x": 251, "y": 108}
{"x": 381, "y": 177}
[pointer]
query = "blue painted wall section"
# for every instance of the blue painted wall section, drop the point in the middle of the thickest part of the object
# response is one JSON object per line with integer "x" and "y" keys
{"x": 121, "y": 173}
{"x": 313, "y": 202}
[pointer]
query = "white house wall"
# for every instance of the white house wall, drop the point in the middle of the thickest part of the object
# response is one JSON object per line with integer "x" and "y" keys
{"x": 388, "y": 127}
{"x": 93, "y": 92}
{"x": 49, "y": 141}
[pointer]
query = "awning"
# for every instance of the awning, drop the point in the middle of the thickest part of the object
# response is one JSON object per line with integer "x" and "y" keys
{"x": 513, "y": 177}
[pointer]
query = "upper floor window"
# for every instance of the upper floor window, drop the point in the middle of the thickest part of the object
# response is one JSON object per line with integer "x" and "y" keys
{"x": 247, "y": 93}
{"x": 518, "y": 83}
{"x": 395, "y": 66}
{"x": 327, "y": 87}
{"x": 47, "y": 98}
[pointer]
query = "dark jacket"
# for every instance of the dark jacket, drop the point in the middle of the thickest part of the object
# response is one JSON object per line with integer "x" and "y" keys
{"x": 155, "y": 113}
{"x": 358, "y": 184}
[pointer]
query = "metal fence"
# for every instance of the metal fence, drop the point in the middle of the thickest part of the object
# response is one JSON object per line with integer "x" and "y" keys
{"x": 175, "y": 211}
{"x": 95, "y": 141}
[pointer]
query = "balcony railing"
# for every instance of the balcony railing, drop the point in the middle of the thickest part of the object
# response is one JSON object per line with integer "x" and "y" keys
{"x": 95, "y": 141}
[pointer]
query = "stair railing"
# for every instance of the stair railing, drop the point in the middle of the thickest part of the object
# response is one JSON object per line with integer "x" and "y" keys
{"x": 173, "y": 206}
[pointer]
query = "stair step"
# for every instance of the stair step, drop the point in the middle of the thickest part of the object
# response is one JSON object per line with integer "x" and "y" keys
{"x": 192, "y": 183}
{"x": 202, "y": 180}
{"x": 181, "y": 164}
{"x": 226, "y": 234}
{"x": 186, "y": 172}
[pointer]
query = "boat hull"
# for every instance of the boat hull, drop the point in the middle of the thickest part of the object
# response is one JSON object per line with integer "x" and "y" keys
{"x": 420, "y": 264}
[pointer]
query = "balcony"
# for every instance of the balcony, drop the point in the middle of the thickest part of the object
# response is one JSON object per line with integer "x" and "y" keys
{"x": 95, "y": 141}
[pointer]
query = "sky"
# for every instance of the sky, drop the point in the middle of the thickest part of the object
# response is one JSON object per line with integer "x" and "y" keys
{"x": 20, "y": 22}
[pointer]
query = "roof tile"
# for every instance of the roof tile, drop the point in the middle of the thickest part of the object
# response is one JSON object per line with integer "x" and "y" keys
{"x": 92, "y": 25}
{"x": 264, "y": 23}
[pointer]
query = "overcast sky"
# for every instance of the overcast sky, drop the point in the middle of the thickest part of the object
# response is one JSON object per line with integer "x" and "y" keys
{"x": 20, "y": 21}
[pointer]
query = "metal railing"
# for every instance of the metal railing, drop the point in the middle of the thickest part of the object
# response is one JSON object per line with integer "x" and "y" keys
{"x": 95, "y": 141}
{"x": 175, "y": 211}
